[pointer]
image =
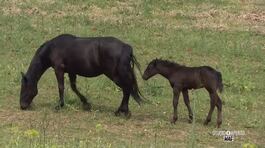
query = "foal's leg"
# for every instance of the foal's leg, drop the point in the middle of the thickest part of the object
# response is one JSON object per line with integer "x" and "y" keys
{"x": 60, "y": 79}
{"x": 175, "y": 104}
{"x": 215, "y": 101}
{"x": 86, "y": 105}
{"x": 212, "y": 103}
{"x": 185, "y": 94}
{"x": 219, "y": 114}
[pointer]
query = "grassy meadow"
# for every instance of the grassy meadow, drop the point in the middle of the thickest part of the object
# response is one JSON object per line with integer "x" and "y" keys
{"x": 228, "y": 35}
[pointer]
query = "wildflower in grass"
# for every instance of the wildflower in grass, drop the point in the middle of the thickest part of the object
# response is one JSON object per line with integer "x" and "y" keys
{"x": 98, "y": 127}
{"x": 31, "y": 133}
{"x": 249, "y": 145}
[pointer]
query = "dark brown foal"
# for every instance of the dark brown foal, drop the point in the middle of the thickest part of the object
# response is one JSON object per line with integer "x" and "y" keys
{"x": 184, "y": 78}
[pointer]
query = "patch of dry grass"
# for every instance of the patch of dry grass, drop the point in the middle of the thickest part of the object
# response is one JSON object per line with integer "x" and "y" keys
{"x": 202, "y": 16}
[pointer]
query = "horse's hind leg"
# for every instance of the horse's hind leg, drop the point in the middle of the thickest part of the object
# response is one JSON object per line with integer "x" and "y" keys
{"x": 185, "y": 94}
{"x": 124, "y": 104}
{"x": 124, "y": 79}
{"x": 60, "y": 79}
{"x": 86, "y": 105}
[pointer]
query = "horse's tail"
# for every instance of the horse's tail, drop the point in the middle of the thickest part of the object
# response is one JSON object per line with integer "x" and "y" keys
{"x": 219, "y": 82}
{"x": 136, "y": 94}
{"x": 136, "y": 63}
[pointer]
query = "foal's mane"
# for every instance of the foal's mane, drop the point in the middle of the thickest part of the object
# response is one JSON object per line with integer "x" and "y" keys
{"x": 168, "y": 63}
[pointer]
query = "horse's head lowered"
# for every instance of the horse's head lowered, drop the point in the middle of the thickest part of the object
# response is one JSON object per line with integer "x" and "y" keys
{"x": 151, "y": 70}
{"x": 28, "y": 91}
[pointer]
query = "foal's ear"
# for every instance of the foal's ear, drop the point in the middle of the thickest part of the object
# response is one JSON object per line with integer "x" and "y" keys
{"x": 155, "y": 62}
{"x": 24, "y": 78}
{"x": 22, "y": 74}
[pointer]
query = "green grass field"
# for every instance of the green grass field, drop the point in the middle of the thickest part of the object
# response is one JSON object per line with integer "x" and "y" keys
{"x": 228, "y": 35}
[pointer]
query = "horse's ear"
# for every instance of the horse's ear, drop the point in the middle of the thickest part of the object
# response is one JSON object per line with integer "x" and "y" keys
{"x": 24, "y": 77}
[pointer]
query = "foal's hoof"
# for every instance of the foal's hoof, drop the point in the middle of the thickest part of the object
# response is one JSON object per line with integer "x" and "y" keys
{"x": 87, "y": 107}
{"x": 218, "y": 125}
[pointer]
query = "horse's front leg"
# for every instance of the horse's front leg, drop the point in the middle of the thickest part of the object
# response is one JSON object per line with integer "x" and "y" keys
{"x": 60, "y": 79}
{"x": 175, "y": 104}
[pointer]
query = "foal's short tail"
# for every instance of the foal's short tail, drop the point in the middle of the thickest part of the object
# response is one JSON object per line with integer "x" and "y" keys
{"x": 136, "y": 94}
{"x": 219, "y": 82}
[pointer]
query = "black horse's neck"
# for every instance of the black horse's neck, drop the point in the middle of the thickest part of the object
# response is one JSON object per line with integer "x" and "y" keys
{"x": 35, "y": 70}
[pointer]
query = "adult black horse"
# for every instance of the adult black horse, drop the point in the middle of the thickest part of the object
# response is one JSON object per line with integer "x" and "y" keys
{"x": 88, "y": 57}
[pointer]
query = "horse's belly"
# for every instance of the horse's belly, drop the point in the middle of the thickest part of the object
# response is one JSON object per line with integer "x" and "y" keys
{"x": 84, "y": 71}
{"x": 94, "y": 74}
{"x": 192, "y": 84}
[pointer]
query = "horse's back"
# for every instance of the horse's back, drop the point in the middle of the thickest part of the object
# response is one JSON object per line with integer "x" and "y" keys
{"x": 68, "y": 45}
{"x": 71, "y": 42}
{"x": 113, "y": 45}
{"x": 85, "y": 55}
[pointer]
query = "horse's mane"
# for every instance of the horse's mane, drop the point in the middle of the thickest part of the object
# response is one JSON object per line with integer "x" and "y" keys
{"x": 168, "y": 63}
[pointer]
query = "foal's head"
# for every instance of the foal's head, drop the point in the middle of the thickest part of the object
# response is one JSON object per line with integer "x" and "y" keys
{"x": 28, "y": 92}
{"x": 151, "y": 70}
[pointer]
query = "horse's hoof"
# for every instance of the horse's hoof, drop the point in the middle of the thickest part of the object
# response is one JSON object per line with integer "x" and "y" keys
{"x": 173, "y": 120}
{"x": 190, "y": 120}
{"x": 128, "y": 115}
{"x": 117, "y": 113}
{"x": 87, "y": 107}
{"x": 206, "y": 122}
{"x": 191, "y": 117}
{"x": 58, "y": 107}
